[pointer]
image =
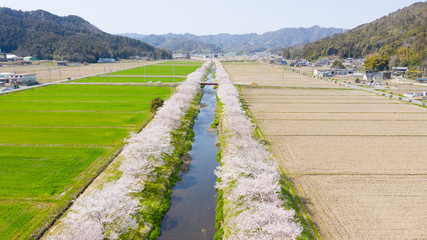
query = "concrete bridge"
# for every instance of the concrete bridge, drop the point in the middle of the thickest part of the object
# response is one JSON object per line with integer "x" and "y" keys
{"x": 208, "y": 83}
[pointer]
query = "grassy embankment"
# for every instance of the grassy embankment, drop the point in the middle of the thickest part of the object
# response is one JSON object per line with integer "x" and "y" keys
{"x": 219, "y": 218}
{"x": 156, "y": 196}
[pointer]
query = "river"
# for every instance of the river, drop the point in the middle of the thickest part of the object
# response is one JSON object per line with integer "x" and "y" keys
{"x": 193, "y": 201}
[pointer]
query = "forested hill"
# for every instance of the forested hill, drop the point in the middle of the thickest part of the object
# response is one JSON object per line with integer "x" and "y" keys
{"x": 400, "y": 37}
{"x": 47, "y": 36}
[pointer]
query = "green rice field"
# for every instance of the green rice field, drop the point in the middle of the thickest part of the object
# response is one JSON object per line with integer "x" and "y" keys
{"x": 165, "y": 69}
{"x": 141, "y": 79}
{"x": 54, "y": 140}
{"x": 176, "y": 62}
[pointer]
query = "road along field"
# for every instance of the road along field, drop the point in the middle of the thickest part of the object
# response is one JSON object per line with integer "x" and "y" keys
{"x": 356, "y": 159}
{"x": 54, "y": 140}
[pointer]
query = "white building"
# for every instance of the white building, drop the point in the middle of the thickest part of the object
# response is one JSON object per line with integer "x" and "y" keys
{"x": 4, "y": 77}
{"x": 23, "y": 78}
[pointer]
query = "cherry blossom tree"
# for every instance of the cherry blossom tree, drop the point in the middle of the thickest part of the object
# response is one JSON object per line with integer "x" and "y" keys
{"x": 249, "y": 176}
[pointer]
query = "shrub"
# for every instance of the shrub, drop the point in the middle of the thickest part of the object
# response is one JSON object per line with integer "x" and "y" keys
{"x": 155, "y": 104}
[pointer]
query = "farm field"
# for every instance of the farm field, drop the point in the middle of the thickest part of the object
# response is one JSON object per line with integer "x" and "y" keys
{"x": 356, "y": 159}
{"x": 141, "y": 79}
{"x": 164, "y": 69}
{"x": 55, "y": 140}
{"x": 50, "y": 72}
{"x": 177, "y": 62}
{"x": 268, "y": 76}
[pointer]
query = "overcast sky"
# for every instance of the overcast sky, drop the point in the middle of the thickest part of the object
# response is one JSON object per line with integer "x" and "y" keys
{"x": 215, "y": 16}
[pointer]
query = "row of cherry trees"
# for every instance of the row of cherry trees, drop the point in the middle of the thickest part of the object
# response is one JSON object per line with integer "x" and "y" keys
{"x": 108, "y": 211}
{"x": 248, "y": 176}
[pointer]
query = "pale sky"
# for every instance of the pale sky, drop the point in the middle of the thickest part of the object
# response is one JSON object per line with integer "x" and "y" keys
{"x": 203, "y": 17}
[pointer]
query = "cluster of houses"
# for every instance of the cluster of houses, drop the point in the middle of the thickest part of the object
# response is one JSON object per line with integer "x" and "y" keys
{"x": 416, "y": 95}
{"x": 106, "y": 60}
{"x": 325, "y": 62}
{"x": 12, "y": 57}
{"x": 330, "y": 72}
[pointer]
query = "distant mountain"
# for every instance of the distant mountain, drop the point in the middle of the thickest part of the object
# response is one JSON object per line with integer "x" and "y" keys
{"x": 400, "y": 36}
{"x": 47, "y": 36}
{"x": 250, "y": 42}
{"x": 179, "y": 44}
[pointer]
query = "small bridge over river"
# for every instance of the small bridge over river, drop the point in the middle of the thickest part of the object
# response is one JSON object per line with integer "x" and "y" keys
{"x": 208, "y": 83}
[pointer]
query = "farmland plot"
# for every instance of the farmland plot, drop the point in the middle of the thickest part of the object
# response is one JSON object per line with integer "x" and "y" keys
{"x": 55, "y": 140}
{"x": 141, "y": 79}
{"x": 359, "y": 167}
{"x": 268, "y": 76}
{"x": 166, "y": 69}
{"x": 48, "y": 72}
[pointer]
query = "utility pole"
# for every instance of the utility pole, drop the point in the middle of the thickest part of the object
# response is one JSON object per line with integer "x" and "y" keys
{"x": 105, "y": 75}
{"x": 283, "y": 76}
{"x": 48, "y": 69}
{"x": 145, "y": 72}
{"x": 173, "y": 72}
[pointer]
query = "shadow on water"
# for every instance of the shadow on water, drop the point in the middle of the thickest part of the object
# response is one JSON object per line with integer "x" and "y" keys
{"x": 193, "y": 201}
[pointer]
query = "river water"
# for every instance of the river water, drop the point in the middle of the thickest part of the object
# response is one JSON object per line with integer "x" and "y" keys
{"x": 193, "y": 201}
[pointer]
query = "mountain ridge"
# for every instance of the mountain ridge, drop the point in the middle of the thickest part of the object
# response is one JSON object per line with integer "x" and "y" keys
{"x": 400, "y": 36}
{"x": 250, "y": 42}
{"x": 48, "y": 36}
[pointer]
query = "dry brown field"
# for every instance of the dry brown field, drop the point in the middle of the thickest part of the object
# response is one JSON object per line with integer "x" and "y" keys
{"x": 357, "y": 160}
{"x": 47, "y": 72}
{"x": 256, "y": 72}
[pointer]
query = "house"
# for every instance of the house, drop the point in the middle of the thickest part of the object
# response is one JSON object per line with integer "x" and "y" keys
{"x": 322, "y": 72}
{"x": 11, "y": 57}
{"x": 4, "y": 77}
{"x": 293, "y": 63}
{"x": 329, "y": 72}
{"x": 422, "y": 80}
{"x": 30, "y": 58}
{"x": 399, "y": 69}
{"x": 322, "y": 62}
{"x": 61, "y": 63}
{"x": 372, "y": 76}
{"x": 23, "y": 78}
